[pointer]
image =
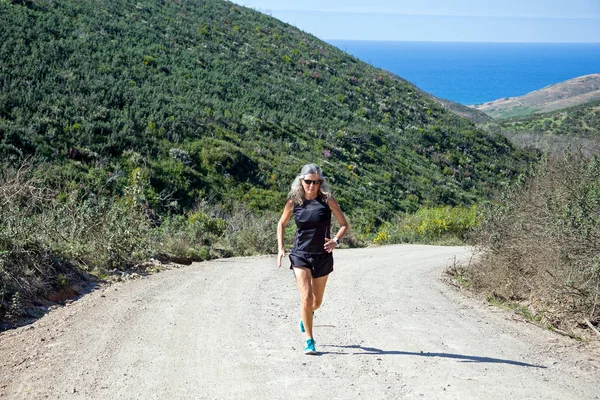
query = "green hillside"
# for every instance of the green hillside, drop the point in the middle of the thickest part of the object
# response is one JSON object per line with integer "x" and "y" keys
{"x": 217, "y": 101}
{"x": 579, "y": 121}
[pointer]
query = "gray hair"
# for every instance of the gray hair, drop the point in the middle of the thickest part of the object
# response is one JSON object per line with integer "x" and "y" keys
{"x": 297, "y": 191}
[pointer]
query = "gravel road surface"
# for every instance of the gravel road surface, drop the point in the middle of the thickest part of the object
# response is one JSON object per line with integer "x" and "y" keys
{"x": 389, "y": 328}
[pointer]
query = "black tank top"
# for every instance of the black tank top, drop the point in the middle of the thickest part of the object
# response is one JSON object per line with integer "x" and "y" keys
{"x": 313, "y": 222}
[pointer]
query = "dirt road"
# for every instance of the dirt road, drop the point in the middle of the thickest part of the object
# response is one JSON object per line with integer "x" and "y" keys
{"x": 227, "y": 329}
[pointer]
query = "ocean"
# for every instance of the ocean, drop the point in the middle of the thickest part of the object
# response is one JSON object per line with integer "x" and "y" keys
{"x": 474, "y": 73}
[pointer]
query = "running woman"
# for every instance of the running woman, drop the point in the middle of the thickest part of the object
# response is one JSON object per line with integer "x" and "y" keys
{"x": 311, "y": 258}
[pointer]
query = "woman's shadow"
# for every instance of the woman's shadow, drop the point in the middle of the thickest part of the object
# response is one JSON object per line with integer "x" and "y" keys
{"x": 463, "y": 358}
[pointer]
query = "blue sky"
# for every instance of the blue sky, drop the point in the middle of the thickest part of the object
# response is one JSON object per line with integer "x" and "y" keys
{"x": 440, "y": 20}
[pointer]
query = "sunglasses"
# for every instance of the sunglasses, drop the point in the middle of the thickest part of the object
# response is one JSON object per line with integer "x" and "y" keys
{"x": 308, "y": 182}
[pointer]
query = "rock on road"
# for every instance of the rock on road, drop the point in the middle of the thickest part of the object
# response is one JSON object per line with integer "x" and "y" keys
{"x": 228, "y": 329}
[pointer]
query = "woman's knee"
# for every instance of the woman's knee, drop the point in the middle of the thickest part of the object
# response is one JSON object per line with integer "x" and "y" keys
{"x": 308, "y": 299}
{"x": 316, "y": 303}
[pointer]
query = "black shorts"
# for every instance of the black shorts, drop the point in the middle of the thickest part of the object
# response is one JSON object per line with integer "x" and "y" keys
{"x": 319, "y": 264}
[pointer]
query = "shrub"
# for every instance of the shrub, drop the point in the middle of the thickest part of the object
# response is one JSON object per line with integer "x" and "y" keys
{"x": 190, "y": 236}
{"x": 430, "y": 225}
{"x": 249, "y": 233}
{"x": 47, "y": 236}
{"x": 542, "y": 242}
{"x": 214, "y": 231}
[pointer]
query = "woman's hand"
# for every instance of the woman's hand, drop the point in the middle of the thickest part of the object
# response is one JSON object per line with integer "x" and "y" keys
{"x": 329, "y": 245}
{"x": 280, "y": 257}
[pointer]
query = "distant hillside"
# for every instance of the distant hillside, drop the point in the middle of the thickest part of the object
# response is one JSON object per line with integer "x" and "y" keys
{"x": 569, "y": 93}
{"x": 210, "y": 100}
{"x": 580, "y": 121}
{"x": 472, "y": 114}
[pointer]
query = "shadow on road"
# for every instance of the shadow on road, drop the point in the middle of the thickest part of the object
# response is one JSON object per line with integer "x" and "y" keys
{"x": 464, "y": 358}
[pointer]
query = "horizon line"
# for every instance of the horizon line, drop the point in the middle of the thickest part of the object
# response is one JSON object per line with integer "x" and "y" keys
{"x": 271, "y": 10}
{"x": 454, "y": 41}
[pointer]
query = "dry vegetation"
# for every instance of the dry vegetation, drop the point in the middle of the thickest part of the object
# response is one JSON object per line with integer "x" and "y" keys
{"x": 556, "y": 144}
{"x": 54, "y": 234}
{"x": 542, "y": 244}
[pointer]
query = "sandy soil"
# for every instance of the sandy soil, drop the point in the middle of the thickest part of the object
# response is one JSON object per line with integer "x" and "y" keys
{"x": 389, "y": 328}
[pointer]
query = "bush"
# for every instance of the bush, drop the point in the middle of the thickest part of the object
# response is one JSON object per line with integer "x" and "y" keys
{"x": 442, "y": 225}
{"x": 542, "y": 242}
{"x": 190, "y": 236}
{"x": 48, "y": 236}
{"x": 215, "y": 231}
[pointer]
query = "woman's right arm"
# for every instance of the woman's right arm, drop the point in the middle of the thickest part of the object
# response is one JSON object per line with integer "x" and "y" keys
{"x": 285, "y": 216}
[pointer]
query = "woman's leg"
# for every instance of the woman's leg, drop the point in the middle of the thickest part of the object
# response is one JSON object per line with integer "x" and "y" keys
{"x": 318, "y": 287}
{"x": 304, "y": 282}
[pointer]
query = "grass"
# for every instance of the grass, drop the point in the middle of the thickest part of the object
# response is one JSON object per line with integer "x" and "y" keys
{"x": 459, "y": 275}
{"x": 518, "y": 308}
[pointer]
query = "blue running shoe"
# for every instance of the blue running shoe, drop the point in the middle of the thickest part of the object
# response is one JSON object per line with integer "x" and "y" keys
{"x": 310, "y": 347}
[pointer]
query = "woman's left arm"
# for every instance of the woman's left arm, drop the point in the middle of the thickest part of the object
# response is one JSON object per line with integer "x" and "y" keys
{"x": 331, "y": 244}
